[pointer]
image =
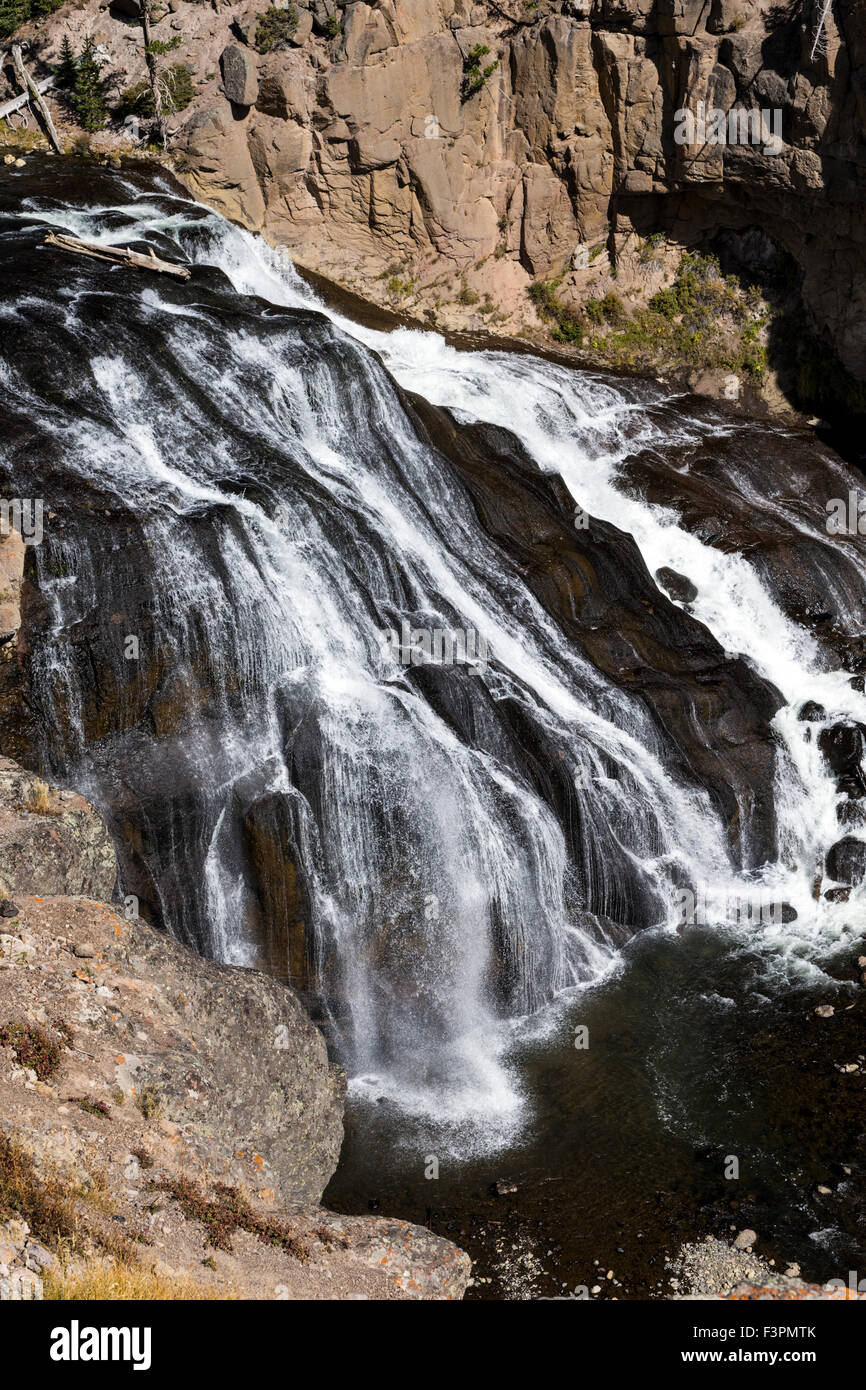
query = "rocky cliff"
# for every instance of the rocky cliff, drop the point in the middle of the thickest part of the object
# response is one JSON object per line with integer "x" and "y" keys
{"x": 442, "y": 156}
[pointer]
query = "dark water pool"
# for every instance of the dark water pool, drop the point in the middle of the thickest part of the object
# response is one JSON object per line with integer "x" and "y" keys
{"x": 703, "y": 1048}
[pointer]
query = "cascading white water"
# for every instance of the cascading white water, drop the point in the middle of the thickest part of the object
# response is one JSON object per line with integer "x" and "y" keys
{"x": 581, "y": 428}
{"x": 296, "y": 611}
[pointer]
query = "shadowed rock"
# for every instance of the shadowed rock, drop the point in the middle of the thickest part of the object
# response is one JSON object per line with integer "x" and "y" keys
{"x": 846, "y": 861}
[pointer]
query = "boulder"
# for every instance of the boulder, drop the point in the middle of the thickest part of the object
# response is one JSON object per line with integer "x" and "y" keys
{"x": 842, "y": 746}
{"x": 240, "y": 75}
{"x": 846, "y": 861}
{"x": 324, "y": 12}
{"x": 200, "y": 1081}
{"x": 303, "y": 30}
{"x": 675, "y": 585}
{"x": 812, "y": 713}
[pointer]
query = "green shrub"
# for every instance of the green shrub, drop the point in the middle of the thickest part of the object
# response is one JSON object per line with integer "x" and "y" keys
{"x": 13, "y": 13}
{"x": 705, "y": 318}
{"x": 474, "y": 75}
{"x": 569, "y": 324}
{"x": 149, "y": 1102}
{"x": 613, "y": 308}
{"x": 275, "y": 28}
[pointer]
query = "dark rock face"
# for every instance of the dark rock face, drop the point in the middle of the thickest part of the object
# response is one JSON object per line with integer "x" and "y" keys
{"x": 838, "y": 895}
{"x": 270, "y": 835}
{"x": 842, "y": 745}
{"x": 51, "y": 841}
{"x": 846, "y": 861}
{"x": 814, "y": 577}
{"x": 676, "y": 586}
{"x": 852, "y": 812}
{"x": 812, "y": 713}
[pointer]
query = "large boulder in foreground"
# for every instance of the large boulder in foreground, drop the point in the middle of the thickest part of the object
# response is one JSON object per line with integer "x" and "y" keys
{"x": 198, "y": 1100}
{"x": 222, "y": 1060}
{"x": 51, "y": 841}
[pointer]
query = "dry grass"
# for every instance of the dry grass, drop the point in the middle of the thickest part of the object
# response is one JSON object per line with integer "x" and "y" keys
{"x": 227, "y": 1210}
{"x": 122, "y": 1282}
{"x": 46, "y": 1204}
{"x": 40, "y": 799}
{"x": 149, "y": 1102}
{"x": 61, "y": 1215}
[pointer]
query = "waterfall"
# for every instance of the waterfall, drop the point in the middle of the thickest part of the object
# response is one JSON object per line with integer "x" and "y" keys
{"x": 239, "y": 485}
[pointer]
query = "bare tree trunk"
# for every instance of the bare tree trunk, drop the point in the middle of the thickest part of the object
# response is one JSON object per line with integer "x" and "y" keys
{"x": 9, "y": 107}
{"x": 30, "y": 86}
{"x": 820, "y": 43}
{"x": 121, "y": 254}
{"x": 150, "y": 60}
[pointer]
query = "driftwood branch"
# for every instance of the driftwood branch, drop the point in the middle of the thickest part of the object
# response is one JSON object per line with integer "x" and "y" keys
{"x": 119, "y": 255}
{"x": 9, "y": 107}
{"x": 30, "y": 86}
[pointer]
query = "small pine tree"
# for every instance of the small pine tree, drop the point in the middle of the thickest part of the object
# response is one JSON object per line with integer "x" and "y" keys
{"x": 67, "y": 69}
{"x": 13, "y": 13}
{"x": 89, "y": 90}
{"x": 276, "y": 28}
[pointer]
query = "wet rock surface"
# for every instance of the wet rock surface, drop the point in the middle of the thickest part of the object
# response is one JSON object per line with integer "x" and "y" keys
{"x": 767, "y": 499}
{"x": 842, "y": 746}
{"x": 846, "y": 861}
{"x": 149, "y": 723}
{"x": 712, "y": 711}
{"x": 676, "y": 586}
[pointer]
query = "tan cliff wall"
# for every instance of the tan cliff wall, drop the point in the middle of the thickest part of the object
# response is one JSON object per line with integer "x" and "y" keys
{"x": 362, "y": 151}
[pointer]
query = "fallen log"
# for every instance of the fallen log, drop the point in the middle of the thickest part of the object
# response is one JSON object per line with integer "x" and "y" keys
{"x": 29, "y": 85}
{"x": 10, "y": 107}
{"x": 120, "y": 255}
